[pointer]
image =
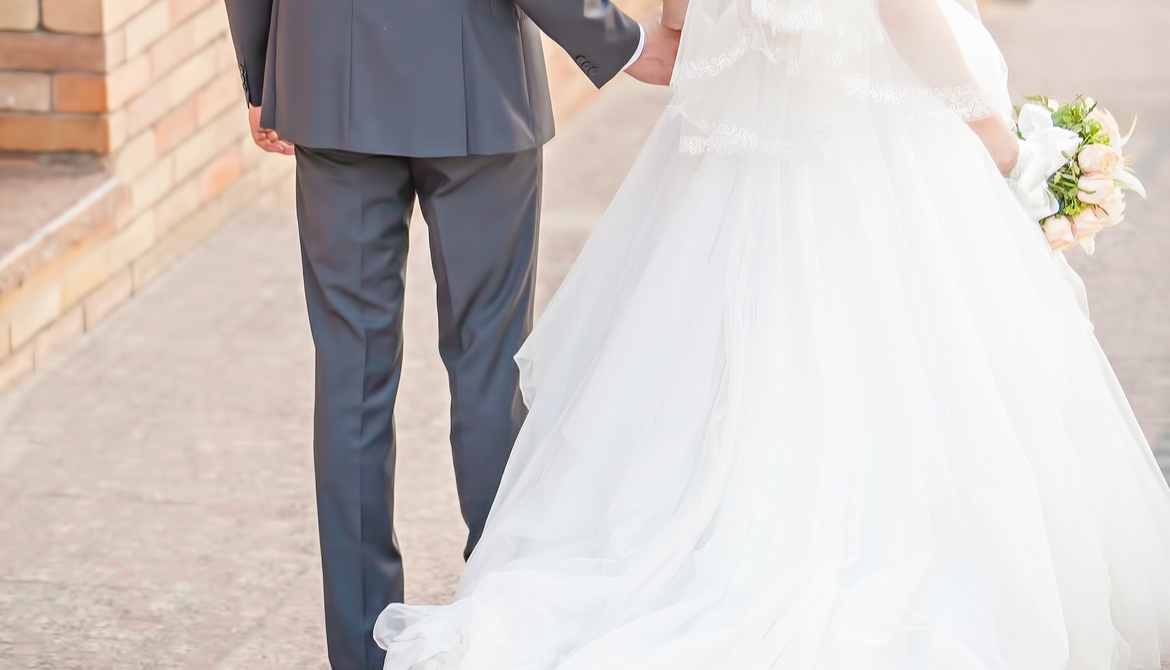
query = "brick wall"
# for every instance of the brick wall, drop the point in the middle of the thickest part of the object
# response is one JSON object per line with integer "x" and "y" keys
{"x": 149, "y": 89}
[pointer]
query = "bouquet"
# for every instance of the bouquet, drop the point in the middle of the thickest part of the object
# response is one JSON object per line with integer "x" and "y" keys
{"x": 1073, "y": 174}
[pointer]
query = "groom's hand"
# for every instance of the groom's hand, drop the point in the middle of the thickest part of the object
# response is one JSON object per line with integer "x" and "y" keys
{"x": 266, "y": 138}
{"x": 656, "y": 63}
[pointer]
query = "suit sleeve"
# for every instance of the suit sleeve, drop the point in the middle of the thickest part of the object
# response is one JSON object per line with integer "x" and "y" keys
{"x": 599, "y": 36}
{"x": 250, "y": 21}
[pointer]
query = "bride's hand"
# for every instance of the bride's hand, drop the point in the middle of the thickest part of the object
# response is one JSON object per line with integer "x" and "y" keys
{"x": 674, "y": 12}
{"x": 1000, "y": 141}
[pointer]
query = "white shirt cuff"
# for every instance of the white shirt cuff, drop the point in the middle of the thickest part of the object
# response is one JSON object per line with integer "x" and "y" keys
{"x": 638, "y": 51}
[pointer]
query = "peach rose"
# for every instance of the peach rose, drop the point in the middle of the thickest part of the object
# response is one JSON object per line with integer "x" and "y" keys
{"x": 1059, "y": 232}
{"x": 1096, "y": 188}
{"x": 1088, "y": 223}
{"x": 1114, "y": 208}
{"x": 1099, "y": 159}
{"x": 1108, "y": 124}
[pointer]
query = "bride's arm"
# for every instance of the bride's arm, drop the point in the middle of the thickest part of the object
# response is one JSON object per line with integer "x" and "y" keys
{"x": 926, "y": 41}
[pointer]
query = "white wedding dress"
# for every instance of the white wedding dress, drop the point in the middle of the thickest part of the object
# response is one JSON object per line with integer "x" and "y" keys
{"x": 816, "y": 395}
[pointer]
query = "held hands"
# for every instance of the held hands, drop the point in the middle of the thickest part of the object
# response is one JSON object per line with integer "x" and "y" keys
{"x": 265, "y": 138}
{"x": 656, "y": 63}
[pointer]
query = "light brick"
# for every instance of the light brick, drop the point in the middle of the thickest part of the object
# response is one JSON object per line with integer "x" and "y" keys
{"x": 167, "y": 53}
{"x": 207, "y": 143}
{"x": 210, "y": 24}
{"x": 148, "y": 108}
{"x": 19, "y": 15}
{"x": 147, "y": 27}
{"x": 115, "y": 45}
{"x": 117, "y": 122}
{"x": 22, "y": 132}
{"x": 89, "y": 272}
{"x": 175, "y": 127}
{"x": 65, "y": 330}
{"x": 222, "y": 172}
{"x": 174, "y": 246}
{"x": 25, "y": 92}
{"x": 32, "y": 310}
{"x": 275, "y": 168}
{"x": 136, "y": 156}
{"x": 223, "y": 92}
{"x": 80, "y": 93}
{"x": 181, "y": 10}
{"x": 193, "y": 230}
{"x": 117, "y": 12}
{"x": 44, "y": 52}
{"x": 16, "y": 367}
{"x": 129, "y": 80}
{"x": 225, "y": 55}
{"x": 151, "y": 186}
{"x": 83, "y": 17}
{"x": 195, "y": 72}
{"x": 252, "y": 155}
{"x": 5, "y": 338}
{"x": 131, "y": 242}
{"x": 238, "y": 195}
{"x": 108, "y": 298}
{"x": 177, "y": 206}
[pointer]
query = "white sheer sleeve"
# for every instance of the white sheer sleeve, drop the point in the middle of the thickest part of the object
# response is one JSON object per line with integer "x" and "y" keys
{"x": 929, "y": 41}
{"x": 777, "y": 76}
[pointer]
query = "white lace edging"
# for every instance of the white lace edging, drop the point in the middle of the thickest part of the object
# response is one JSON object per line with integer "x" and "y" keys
{"x": 782, "y": 19}
{"x": 723, "y": 138}
{"x": 826, "y": 65}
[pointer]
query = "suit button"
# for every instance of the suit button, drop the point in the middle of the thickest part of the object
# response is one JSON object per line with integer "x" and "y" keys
{"x": 592, "y": 70}
{"x": 581, "y": 60}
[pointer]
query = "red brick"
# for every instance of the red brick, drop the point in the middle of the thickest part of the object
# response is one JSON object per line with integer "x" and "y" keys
{"x": 24, "y": 92}
{"x": 80, "y": 93}
{"x": 24, "y": 132}
{"x": 44, "y": 52}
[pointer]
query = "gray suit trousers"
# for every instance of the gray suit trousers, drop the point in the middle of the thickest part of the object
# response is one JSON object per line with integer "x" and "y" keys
{"x": 354, "y": 210}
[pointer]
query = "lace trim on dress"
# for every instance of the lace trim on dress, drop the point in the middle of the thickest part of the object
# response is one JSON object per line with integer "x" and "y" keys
{"x": 966, "y": 101}
{"x": 722, "y": 138}
{"x": 826, "y": 65}
{"x": 807, "y": 20}
{"x": 782, "y": 19}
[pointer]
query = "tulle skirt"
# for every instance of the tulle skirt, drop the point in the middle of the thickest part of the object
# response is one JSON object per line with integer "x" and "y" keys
{"x": 843, "y": 412}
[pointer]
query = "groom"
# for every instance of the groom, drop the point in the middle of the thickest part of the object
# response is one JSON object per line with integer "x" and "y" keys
{"x": 383, "y": 101}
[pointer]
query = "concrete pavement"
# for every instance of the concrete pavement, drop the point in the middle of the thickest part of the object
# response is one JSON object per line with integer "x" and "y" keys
{"x": 155, "y": 485}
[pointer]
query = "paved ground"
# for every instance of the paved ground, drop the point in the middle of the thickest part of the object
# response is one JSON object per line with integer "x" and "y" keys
{"x": 155, "y": 487}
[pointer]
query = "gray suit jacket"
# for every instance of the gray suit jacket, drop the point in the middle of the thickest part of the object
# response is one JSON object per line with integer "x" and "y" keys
{"x": 419, "y": 78}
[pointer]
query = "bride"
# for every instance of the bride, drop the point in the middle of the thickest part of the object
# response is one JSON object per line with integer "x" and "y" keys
{"x": 817, "y": 394}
